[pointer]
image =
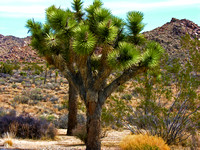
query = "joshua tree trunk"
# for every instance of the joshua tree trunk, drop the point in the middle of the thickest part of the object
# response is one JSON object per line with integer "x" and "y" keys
{"x": 72, "y": 116}
{"x": 93, "y": 125}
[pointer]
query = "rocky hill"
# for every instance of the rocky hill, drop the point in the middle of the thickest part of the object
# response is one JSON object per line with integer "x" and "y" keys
{"x": 17, "y": 49}
{"x": 169, "y": 36}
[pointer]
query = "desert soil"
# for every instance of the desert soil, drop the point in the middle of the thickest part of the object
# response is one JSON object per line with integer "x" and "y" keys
{"x": 63, "y": 142}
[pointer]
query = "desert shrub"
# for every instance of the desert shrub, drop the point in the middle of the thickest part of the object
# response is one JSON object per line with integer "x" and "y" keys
{"x": 49, "y": 118}
{"x": 174, "y": 125}
{"x": 63, "y": 121}
{"x": 175, "y": 86}
{"x": 80, "y": 132}
{"x": 6, "y": 68}
{"x": 2, "y": 82}
{"x": 16, "y": 66}
{"x": 36, "y": 72}
{"x": 127, "y": 96}
{"x": 115, "y": 111}
{"x": 24, "y": 74}
{"x": 2, "y": 111}
{"x": 143, "y": 142}
{"x": 25, "y": 126}
{"x": 27, "y": 68}
{"x": 21, "y": 99}
{"x": 37, "y": 67}
{"x": 14, "y": 86}
{"x": 34, "y": 94}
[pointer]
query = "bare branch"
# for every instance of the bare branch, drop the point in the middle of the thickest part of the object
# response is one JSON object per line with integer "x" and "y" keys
{"x": 127, "y": 75}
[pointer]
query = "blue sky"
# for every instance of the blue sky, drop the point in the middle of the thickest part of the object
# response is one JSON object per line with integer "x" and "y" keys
{"x": 15, "y": 13}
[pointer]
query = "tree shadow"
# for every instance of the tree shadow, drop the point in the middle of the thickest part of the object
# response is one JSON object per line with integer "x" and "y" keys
{"x": 70, "y": 145}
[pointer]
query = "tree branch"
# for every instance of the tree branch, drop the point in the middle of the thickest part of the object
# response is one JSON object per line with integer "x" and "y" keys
{"x": 76, "y": 81}
{"x": 104, "y": 70}
{"x": 127, "y": 75}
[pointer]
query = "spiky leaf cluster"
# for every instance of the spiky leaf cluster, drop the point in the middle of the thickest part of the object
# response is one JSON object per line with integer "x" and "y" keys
{"x": 135, "y": 25}
{"x": 84, "y": 42}
{"x": 152, "y": 54}
{"x": 56, "y": 17}
{"x": 124, "y": 57}
{"x": 77, "y": 7}
{"x": 107, "y": 32}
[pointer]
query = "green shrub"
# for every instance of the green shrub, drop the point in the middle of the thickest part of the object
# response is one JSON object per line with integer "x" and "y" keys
{"x": 6, "y": 68}
{"x": 127, "y": 96}
{"x": 24, "y": 74}
{"x": 21, "y": 99}
{"x": 49, "y": 118}
{"x": 16, "y": 66}
{"x": 34, "y": 94}
{"x": 14, "y": 86}
{"x": 27, "y": 68}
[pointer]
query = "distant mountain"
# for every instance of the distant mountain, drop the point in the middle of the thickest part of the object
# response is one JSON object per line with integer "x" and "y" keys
{"x": 169, "y": 36}
{"x": 17, "y": 49}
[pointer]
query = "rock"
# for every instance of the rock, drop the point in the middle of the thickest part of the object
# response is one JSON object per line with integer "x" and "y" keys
{"x": 169, "y": 36}
{"x": 54, "y": 99}
{"x": 17, "y": 50}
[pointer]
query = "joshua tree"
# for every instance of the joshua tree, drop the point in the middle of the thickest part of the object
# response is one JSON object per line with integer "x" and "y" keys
{"x": 89, "y": 47}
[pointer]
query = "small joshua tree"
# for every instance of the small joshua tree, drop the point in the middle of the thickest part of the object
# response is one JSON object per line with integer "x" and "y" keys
{"x": 87, "y": 47}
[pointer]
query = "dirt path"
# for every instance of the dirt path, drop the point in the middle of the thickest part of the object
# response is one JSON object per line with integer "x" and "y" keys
{"x": 64, "y": 142}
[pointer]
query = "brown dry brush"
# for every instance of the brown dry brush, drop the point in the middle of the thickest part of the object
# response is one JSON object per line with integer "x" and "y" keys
{"x": 25, "y": 126}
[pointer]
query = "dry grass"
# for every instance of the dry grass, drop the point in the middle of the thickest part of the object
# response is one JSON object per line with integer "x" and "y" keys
{"x": 8, "y": 139}
{"x": 143, "y": 142}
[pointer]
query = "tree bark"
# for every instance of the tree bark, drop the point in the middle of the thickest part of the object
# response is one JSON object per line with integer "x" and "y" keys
{"x": 93, "y": 126}
{"x": 72, "y": 116}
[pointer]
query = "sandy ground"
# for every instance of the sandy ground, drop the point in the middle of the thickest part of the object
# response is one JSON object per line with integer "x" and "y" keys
{"x": 64, "y": 142}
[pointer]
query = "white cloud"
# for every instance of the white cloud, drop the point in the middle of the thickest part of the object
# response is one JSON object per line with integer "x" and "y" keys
{"x": 22, "y": 11}
{"x": 23, "y": 1}
{"x": 123, "y": 7}
{"x": 36, "y": 8}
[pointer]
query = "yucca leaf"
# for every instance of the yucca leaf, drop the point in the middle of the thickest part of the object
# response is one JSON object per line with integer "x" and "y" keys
{"x": 77, "y": 7}
{"x": 124, "y": 57}
{"x": 102, "y": 14}
{"x": 51, "y": 40}
{"x": 84, "y": 42}
{"x": 135, "y": 25}
{"x": 107, "y": 32}
{"x": 152, "y": 55}
{"x": 96, "y": 4}
{"x": 46, "y": 28}
{"x": 56, "y": 17}
{"x": 117, "y": 22}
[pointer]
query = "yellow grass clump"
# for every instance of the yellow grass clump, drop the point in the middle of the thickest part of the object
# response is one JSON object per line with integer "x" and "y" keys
{"x": 143, "y": 142}
{"x": 8, "y": 139}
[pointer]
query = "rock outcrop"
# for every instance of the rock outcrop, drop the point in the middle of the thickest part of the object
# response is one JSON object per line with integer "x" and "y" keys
{"x": 17, "y": 50}
{"x": 169, "y": 36}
